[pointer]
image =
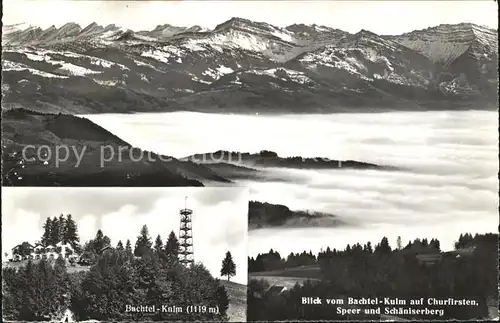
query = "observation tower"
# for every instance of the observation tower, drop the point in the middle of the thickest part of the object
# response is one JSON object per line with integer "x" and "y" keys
{"x": 186, "y": 252}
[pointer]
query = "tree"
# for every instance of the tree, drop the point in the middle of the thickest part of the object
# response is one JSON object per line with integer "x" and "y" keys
{"x": 222, "y": 298}
{"x": 383, "y": 246}
{"x": 114, "y": 281}
{"x": 108, "y": 285}
{"x": 119, "y": 246}
{"x": 24, "y": 249}
{"x": 62, "y": 228}
{"x": 54, "y": 231}
{"x": 435, "y": 244}
{"x": 228, "y": 267}
{"x": 47, "y": 232}
{"x": 34, "y": 292}
{"x": 98, "y": 243}
{"x": 464, "y": 241}
{"x": 158, "y": 245}
{"x": 128, "y": 248}
{"x": 101, "y": 241}
{"x": 399, "y": 243}
{"x": 172, "y": 246}
{"x": 369, "y": 247}
{"x": 71, "y": 232}
{"x": 143, "y": 243}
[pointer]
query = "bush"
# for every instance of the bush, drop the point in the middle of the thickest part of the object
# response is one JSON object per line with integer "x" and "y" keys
{"x": 116, "y": 280}
{"x": 35, "y": 292}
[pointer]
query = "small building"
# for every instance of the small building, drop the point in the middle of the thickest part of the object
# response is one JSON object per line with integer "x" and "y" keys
{"x": 464, "y": 252}
{"x": 73, "y": 257}
{"x": 460, "y": 253}
{"x": 50, "y": 253}
{"x": 66, "y": 249}
{"x": 16, "y": 254}
{"x": 38, "y": 249}
{"x": 429, "y": 258}
{"x": 275, "y": 290}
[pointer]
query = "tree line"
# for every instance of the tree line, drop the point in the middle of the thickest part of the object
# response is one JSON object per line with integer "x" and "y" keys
{"x": 273, "y": 260}
{"x": 381, "y": 271}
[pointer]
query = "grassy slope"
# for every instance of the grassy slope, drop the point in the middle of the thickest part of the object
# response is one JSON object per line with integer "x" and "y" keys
{"x": 237, "y": 311}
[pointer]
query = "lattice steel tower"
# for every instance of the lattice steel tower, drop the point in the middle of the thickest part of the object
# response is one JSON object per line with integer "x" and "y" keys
{"x": 186, "y": 252}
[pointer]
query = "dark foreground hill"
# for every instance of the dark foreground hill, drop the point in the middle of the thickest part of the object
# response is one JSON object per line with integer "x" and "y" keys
{"x": 64, "y": 150}
{"x": 262, "y": 215}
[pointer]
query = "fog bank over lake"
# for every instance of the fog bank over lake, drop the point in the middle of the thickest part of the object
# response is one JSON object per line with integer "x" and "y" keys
{"x": 450, "y": 185}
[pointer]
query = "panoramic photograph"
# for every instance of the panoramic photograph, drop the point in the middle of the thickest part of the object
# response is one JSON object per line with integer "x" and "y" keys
{"x": 124, "y": 254}
{"x": 366, "y": 132}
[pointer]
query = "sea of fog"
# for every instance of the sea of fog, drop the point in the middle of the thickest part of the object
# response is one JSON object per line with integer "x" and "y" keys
{"x": 449, "y": 185}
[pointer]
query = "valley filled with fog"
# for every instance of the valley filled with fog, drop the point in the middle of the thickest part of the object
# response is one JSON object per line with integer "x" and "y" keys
{"x": 447, "y": 185}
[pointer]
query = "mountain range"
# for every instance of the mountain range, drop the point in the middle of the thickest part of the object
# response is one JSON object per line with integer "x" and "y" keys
{"x": 242, "y": 66}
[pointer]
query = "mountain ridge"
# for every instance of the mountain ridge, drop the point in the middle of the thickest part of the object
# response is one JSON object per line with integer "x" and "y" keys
{"x": 242, "y": 66}
{"x": 93, "y": 156}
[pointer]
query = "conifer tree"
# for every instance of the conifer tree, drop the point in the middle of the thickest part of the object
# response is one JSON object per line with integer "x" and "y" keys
{"x": 158, "y": 245}
{"x": 383, "y": 246}
{"x": 128, "y": 248}
{"x": 119, "y": 246}
{"x": 437, "y": 245}
{"x": 54, "y": 231}
{"x": 98, "y": 241}
{"x": 62, "y": 228}
{"x": 222, "y": 298}
{"x": 47, "y": 234}
{"x": 369, "y": 247}
{"x": 143, "y": 243}
{"x": 228, "y": 267}
{"x": 71, "y": 232}
{"x": 172, "y": 246}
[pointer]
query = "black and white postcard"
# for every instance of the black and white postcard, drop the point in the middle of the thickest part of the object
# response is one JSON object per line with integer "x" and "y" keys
{"x": 124, "y": 254}
{"x": 365, "y": 131}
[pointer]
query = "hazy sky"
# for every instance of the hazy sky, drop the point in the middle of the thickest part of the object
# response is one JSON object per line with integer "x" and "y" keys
{"x": 219, "y": 218}
{"x": 383, "y": 17}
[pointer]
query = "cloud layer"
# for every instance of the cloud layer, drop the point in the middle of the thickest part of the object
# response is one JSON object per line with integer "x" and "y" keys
{"x": 450, "y": 185}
